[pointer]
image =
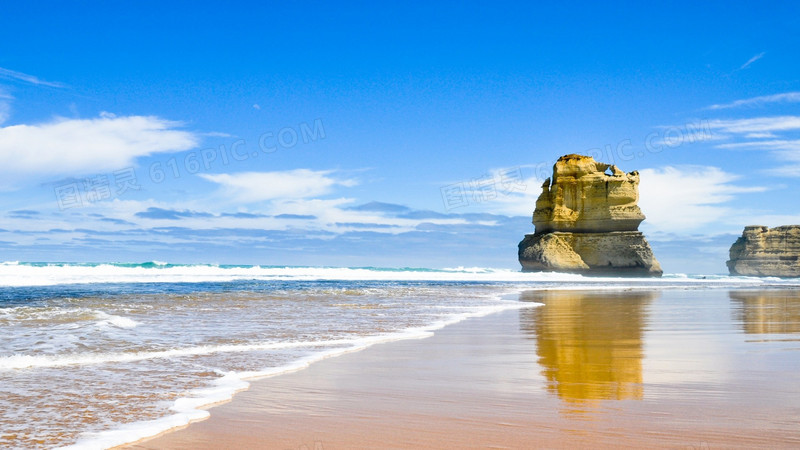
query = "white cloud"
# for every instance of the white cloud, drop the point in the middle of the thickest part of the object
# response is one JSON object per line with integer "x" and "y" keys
{"x": 788, "y": 148}
{"x": 5, "y": 105}
{"x": 504, "y": 191}
{"x": 755, "y": 133}
{"x": 752, "y": 60}
{"x": 19, "y": 76}
{"x": 217, "y": 134}
{"x": 5, "y": 111}
{"x": 686, "y": 198}
{"x": 760, "y": 135}
{"x": 249, "y": 187}
{"x": 73, "y": 147}
{"x": 788, "y": 97}
{"x": 756, "y": 124}
{"x": 325, "y": 215}
{"x": 773, "y": 220}
{"x": 791, "y": 171}
{"x": 520, "y": 201}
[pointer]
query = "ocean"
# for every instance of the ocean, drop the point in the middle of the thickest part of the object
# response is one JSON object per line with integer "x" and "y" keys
{"x": 98, "y": 355}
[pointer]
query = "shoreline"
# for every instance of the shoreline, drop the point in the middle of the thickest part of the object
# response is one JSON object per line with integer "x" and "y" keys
{"x": 192, "y": 409}
{"x": 237, "y": 410}
{"x": 491, "y": 382}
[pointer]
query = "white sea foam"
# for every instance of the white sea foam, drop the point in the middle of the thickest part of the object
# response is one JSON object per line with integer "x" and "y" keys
{"x": 188, "y": 409}
{"x": 16, "y": 362}
{"x": 16, "y": 274}
{"x": 100, "y": 331}
{"x": 115, "y": 321}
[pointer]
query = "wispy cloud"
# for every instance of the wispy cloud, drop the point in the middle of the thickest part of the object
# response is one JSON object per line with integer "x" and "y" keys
{"x": 5, "y": 111}
{"x": 664, "y": 191}
{"x": 249, "y": 187}
{"x": 756, "y": 124}
{"x": 5, "y": 105}
{"x": 752, "y": 60}
{"x": 430, "y": 242}
{"x": 761, "y": 133}
{"x": 217, "y": 134}
{"x": 73, "y": 147}
{"x": 791, "y": 171}
{"x": 787, "y": 97}
{"x": 787, "y": 150}
{"x": 184, "y": 221}
{"x": 23, "y": 213}
{"x": 510, "y": 191}
{"x": 19, "y": 76}
{"x": 170, "y": 214}
{"x": 775, "y": 144}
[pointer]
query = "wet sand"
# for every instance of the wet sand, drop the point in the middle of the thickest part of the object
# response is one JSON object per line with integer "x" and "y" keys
{"x": 676, "y": 369}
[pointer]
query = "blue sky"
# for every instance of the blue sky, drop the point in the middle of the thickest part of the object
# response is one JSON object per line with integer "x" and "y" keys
{"x": 386, "y": 134}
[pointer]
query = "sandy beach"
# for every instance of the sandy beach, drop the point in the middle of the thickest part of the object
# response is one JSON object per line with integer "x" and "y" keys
{"x": 615, "y": 369}
{"x": 399, "y": 225}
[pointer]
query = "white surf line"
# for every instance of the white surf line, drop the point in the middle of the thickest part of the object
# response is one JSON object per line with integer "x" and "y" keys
{"x": 190, "y": 409}
{"x": 13, "y": 362}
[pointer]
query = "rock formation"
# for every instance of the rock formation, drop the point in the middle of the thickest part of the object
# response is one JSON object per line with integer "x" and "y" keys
{"x": 766, "y": 252}
{"x": 586, "y": 221}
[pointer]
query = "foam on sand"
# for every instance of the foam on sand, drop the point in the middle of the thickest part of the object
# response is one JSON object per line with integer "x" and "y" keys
{"x": 190, "y": 409}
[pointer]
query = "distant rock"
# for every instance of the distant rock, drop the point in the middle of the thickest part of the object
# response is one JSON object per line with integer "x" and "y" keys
{"x": 766, "y": 252}
{"x": 586, "y": 221}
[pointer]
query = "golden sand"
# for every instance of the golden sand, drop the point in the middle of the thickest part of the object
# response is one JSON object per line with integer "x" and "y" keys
{"x": 587, "y": 370}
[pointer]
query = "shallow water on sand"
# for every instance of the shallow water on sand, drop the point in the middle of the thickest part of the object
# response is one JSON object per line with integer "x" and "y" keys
{"x": 619, "y": 368}
{"x": 108, "y": 354}
{"x": 102, "y": 368}
{"x": 717, "y": 365}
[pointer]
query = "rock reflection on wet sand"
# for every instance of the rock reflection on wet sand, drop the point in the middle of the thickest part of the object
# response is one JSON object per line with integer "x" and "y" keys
{"x": 605, "y": 369}
{"x": 767, "y": 312}
{"x": 589, "y": 344}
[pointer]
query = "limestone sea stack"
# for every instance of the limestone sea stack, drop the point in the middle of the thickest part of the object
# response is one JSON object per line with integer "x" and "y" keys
{"x": 766, "y": 252}
{"x": 586, "y": 221}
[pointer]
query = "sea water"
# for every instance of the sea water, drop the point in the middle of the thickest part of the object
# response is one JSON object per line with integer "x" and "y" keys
{"x": 98, "y": 355}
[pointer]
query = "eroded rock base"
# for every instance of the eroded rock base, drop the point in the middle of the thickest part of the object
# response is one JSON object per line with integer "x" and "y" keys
{"x": 620, "y": 253}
